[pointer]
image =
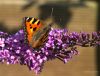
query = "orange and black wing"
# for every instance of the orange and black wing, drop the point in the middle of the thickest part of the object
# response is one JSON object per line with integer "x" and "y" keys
{"x": 32, "y": 25}
{"x": 36, "y": 33}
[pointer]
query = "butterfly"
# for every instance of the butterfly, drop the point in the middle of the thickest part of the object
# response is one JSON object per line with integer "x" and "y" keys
{"x": 36, "y": 34}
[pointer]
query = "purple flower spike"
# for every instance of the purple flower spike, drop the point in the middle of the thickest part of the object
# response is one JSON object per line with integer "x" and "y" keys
{"x": 60, "y": 44}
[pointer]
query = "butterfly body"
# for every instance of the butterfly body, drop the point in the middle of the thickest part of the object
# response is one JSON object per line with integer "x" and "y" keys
{"x": 36, "y": 33}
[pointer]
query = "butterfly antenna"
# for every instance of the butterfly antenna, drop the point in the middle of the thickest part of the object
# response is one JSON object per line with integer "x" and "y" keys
{"x": 51, "y": 17}
{"x": 51, "y": 12}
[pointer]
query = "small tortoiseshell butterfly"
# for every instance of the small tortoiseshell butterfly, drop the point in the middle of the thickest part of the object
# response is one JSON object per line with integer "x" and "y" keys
{"x": 35, "y": 33}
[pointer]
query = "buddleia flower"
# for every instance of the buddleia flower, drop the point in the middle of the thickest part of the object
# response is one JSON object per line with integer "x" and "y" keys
{"x": 61, "y": 44}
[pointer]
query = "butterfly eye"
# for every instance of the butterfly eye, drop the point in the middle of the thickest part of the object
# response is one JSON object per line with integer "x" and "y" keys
{"x": 34, "y": 29}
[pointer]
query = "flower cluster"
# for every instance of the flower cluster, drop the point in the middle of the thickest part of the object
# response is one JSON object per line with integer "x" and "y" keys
{"x": 60, "y": 44}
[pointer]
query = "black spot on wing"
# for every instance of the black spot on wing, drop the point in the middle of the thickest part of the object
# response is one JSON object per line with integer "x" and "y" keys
{"x": 34, "y": 21}
{"x": 30, "y": 27}
{"x": 38, "y": 23}
{"x": 34, "y": 29}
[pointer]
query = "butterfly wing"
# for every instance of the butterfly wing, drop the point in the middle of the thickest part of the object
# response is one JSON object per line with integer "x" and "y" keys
{"x": 36, "y": 33}
{"x": 42, "y": 35}
{"x": 32, "y": 25}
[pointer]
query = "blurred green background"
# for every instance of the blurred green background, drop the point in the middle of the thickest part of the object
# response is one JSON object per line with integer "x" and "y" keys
{"x": 75, "y": 15}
